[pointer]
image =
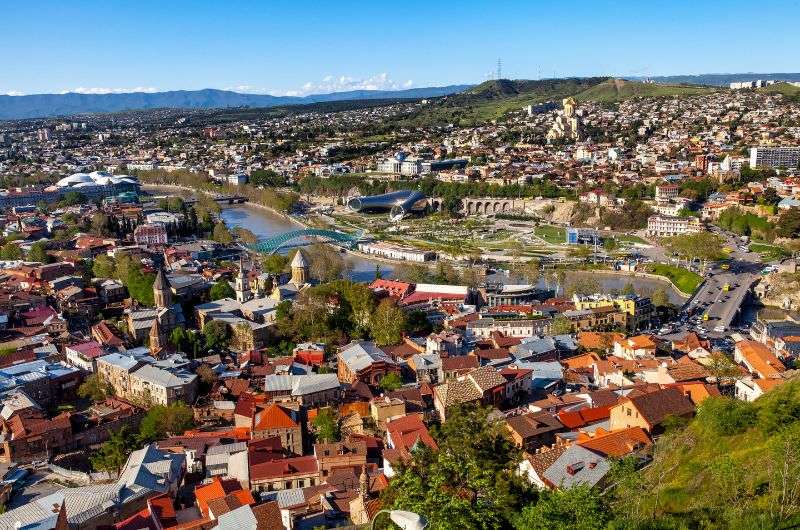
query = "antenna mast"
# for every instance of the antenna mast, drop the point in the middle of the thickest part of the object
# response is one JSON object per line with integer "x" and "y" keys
{"x": 499, "y": 69}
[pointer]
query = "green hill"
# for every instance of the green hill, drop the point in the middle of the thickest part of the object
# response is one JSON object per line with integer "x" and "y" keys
{"x": 614, "y": 90}
{"x": 492, "y": 99}
{"x": 790, "y": 92}
{"x": 736, "y": 465}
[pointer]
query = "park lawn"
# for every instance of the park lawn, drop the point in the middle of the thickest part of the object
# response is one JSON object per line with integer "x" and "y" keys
{"x": 768, "y": 252}
{"x": 685, "y": 280}
{"x": 552, "y": 234}
{"x": 629, "y": 238}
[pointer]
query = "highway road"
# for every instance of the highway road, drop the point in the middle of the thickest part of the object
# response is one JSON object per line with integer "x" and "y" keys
{"x": 722, "y": 307}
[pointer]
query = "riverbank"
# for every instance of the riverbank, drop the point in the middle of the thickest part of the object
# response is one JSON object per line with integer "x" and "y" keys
{"x": 638, "y": 279}
{"x": 272, "y": 211}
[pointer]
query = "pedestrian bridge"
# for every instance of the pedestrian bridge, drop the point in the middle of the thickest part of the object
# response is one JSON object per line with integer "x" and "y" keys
{"x": 275, "y": 243}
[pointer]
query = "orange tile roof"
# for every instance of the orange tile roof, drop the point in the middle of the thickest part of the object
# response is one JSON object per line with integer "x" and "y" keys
{"x": 582, "y": 417}
{"x": 581, "y": 361}
{"x": 273, "y": 417}
{"x": 697, "y": 391}
{"x": 760, "y": 358}
{"x": 615, "y": 444}
{"x": 592, "y": 340}
{"x": 638, "y": 342}
{"x": 217, "y": 489}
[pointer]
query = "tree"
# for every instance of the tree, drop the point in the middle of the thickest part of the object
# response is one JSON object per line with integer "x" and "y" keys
{"x": 469, "y": 482}
{"x": 660, "y": 298}
{"x": 104, "y": 266}
{"x": 390, "y": 382}
{"x": 529, "y": 270}
{"x": 217, "y": 335}
{"x": 244, "y": 235}
{"x": 327, "y": 265}
{"x": 417, "y": 324}
{"x": 101, "y": 224}
{"x": 94, "y": 388}
{"x": 561, "y": 326}
{"x": 274, "y": 263}
{"x": 114, "y": 452}
{"x": 628, "y": 289}
{"x": 387, "y": 323}
{"x": 327, "y": 425}
{"x": 207, "y": 376}
{"x": 221, "y": 234}
{"x": 11, "y": 252}
{"x": 162, "y": 421}
{"x": 177, "y": 337}
{"x": 582, "y": 285}
{"x": 38, "y": 252}
{"x": 71, "y": 198}
{"x": 222, "y": 289}
{"x": 576, "y": 508}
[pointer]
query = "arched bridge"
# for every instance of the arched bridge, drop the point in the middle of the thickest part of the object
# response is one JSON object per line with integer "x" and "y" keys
{"x": 273, "y": 244}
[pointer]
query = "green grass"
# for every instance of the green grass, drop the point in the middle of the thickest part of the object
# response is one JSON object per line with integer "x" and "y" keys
{"x": 627, "y": 238}
{"x": 552, "y": 234}
{"x": 790, "y": 92}
{"x": 721, "y": 465}
{"x": 493, "y": 99}
{"x": 615, "y": 90}
{"x": 768, "y": 252}
{"x": 685, "y": 280}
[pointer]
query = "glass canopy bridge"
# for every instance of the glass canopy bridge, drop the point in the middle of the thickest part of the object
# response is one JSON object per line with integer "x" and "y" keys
{"x": 299, "y": 237}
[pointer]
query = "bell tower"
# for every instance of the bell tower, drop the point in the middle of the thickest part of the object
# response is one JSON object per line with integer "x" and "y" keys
{"x": 162, "y": 291}
{"x": 242, "y": 287}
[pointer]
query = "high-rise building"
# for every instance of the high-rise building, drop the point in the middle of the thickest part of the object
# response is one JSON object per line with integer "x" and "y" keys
{"x": 775, "y": 157}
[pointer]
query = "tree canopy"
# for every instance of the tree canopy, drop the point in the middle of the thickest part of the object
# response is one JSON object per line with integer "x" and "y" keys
{"x": 221, "y": 289}
{"x": 470, "y": 482}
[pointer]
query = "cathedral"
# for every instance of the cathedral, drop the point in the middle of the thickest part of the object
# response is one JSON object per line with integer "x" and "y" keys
{"x": 268, "y": 285}
{"x": 166, "y": 314}
{"x": 154, "y": 324}
{"x": 566, "y": 124}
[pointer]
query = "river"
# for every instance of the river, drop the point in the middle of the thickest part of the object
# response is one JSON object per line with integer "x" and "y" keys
{"x": 265, "y": 224}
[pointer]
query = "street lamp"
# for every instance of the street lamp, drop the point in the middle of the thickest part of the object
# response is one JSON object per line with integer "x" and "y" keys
{"x": 405, "y": 520}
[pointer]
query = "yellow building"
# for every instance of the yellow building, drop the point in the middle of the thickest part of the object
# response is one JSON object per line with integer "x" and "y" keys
{"x": 639, "y": 309}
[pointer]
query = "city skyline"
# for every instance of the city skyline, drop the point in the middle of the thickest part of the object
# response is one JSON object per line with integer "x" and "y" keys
{"x": 289, "y": 49}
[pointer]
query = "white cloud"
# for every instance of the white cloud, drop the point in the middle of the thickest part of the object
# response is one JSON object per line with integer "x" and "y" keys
{"x": 330, "y": 83}
{"x": 12, "y": 93}
{"x": 103, "y": 90}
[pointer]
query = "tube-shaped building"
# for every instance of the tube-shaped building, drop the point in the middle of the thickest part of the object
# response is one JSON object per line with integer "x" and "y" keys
{"x": 398, "y": 203}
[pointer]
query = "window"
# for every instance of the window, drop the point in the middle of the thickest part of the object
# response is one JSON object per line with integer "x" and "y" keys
{"x": 629, "y": 412}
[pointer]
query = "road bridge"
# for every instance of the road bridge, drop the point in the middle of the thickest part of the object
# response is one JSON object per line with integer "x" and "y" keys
{"x": 275, "y": 243}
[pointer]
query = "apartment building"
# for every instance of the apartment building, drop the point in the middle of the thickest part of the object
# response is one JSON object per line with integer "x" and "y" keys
{"x": 775, "y": 157}
{"x": 667, "y": 226}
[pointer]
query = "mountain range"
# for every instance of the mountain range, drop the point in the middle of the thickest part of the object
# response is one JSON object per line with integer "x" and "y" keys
{"x": 50, "y": 105}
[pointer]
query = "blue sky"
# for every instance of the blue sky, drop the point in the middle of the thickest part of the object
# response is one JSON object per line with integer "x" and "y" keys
{"x": 285, "y": 47}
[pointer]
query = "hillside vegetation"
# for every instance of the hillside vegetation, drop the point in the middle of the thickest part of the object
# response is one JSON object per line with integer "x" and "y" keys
{"x": 790, "y": 92}
{"x": 492, "y": 99}
{"x": 736, "y": 465}
{"x": 614, "y": 90}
